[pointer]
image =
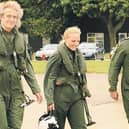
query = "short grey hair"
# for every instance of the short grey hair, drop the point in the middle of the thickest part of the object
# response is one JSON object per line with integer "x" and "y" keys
{"x": 12, "y": 5}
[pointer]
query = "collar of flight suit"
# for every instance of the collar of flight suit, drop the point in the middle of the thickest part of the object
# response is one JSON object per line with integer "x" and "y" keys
{"x": 63, "y": 50}
{"x": 19, "y": 40}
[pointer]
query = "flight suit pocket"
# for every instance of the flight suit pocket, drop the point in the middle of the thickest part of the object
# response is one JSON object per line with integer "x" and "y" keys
{"x": 16, "y": 80}
{"x": 57, "y": 92}
{"x": 3, "y": 63}
{"x": 63, "y": 93}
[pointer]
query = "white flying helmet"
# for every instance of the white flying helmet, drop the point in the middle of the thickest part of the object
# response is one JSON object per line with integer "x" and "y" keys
{"x": 48, "y": 121}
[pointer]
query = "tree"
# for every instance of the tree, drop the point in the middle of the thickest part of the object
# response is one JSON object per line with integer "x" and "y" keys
{"x": 47, "y": 18}
{"x": 42, "y": 17}
{"x": 32, "y": 21}
{"x": 112, "y": 12}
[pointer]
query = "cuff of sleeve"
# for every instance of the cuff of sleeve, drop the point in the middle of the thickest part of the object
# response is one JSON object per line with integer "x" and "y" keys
{"x": 36, "y": 90}
{"x": 112, "y": 89}
{"x": 50, "y": 102}
{"x": 87, "y": 93}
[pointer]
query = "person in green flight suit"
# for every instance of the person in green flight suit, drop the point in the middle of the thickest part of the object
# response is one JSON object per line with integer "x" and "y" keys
{"x": 14, "y": 62}
{"x": 65, "y": 83}
{"x": 120, "y": 64}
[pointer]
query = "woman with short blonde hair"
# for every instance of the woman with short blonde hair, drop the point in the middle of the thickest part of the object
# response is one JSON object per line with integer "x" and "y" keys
{"x": 65, "y": 83}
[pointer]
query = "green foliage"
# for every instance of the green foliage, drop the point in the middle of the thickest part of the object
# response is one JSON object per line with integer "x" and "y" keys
{"x": 48, "y": 18}
{"x": 112, "y": 12}
{"x": 96, "y": 8}
{"x": 42, "y": 17}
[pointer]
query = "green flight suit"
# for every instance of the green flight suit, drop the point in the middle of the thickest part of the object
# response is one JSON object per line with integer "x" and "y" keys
{"x": 69, "y": 69}
{"x": 11, "y": 90}
{"x": 120, "y": 60}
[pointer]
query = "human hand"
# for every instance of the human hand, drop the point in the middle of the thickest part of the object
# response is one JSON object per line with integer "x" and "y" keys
{"x": 39, "y": 97}
{"x": 114, "y": 95}
{"x": 51, "y": 107}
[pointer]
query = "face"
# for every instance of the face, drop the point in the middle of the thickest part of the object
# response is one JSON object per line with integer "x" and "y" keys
{"x": 9, "y": 19}
{"x": 72, "y": 41}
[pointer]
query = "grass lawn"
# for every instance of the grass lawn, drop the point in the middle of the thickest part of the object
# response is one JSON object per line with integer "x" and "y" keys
{"x": 39, "y": 66}
{"x": 97, "y": 66}
{"x": 93, "y": 66}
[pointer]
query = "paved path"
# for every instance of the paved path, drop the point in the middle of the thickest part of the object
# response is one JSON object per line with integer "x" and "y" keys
{"x": 107, "y": 113}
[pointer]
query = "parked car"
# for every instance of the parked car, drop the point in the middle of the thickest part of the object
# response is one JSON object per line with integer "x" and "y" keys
{"x": 88, "y": 50}
{"x": 91, "y": 50}
{"x": 100, "y": 54}
{"x": 45, "y": 52}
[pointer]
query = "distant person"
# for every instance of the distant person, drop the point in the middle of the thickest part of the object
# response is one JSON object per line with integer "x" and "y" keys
{"x": 65, "y": 83}
{"x": 120, "y": 62}
{"x": 14, "y": 62}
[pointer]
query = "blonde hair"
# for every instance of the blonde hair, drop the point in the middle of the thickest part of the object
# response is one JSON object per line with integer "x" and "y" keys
{"x": 70, "y": 30}
{"x": 14, "y": 5}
